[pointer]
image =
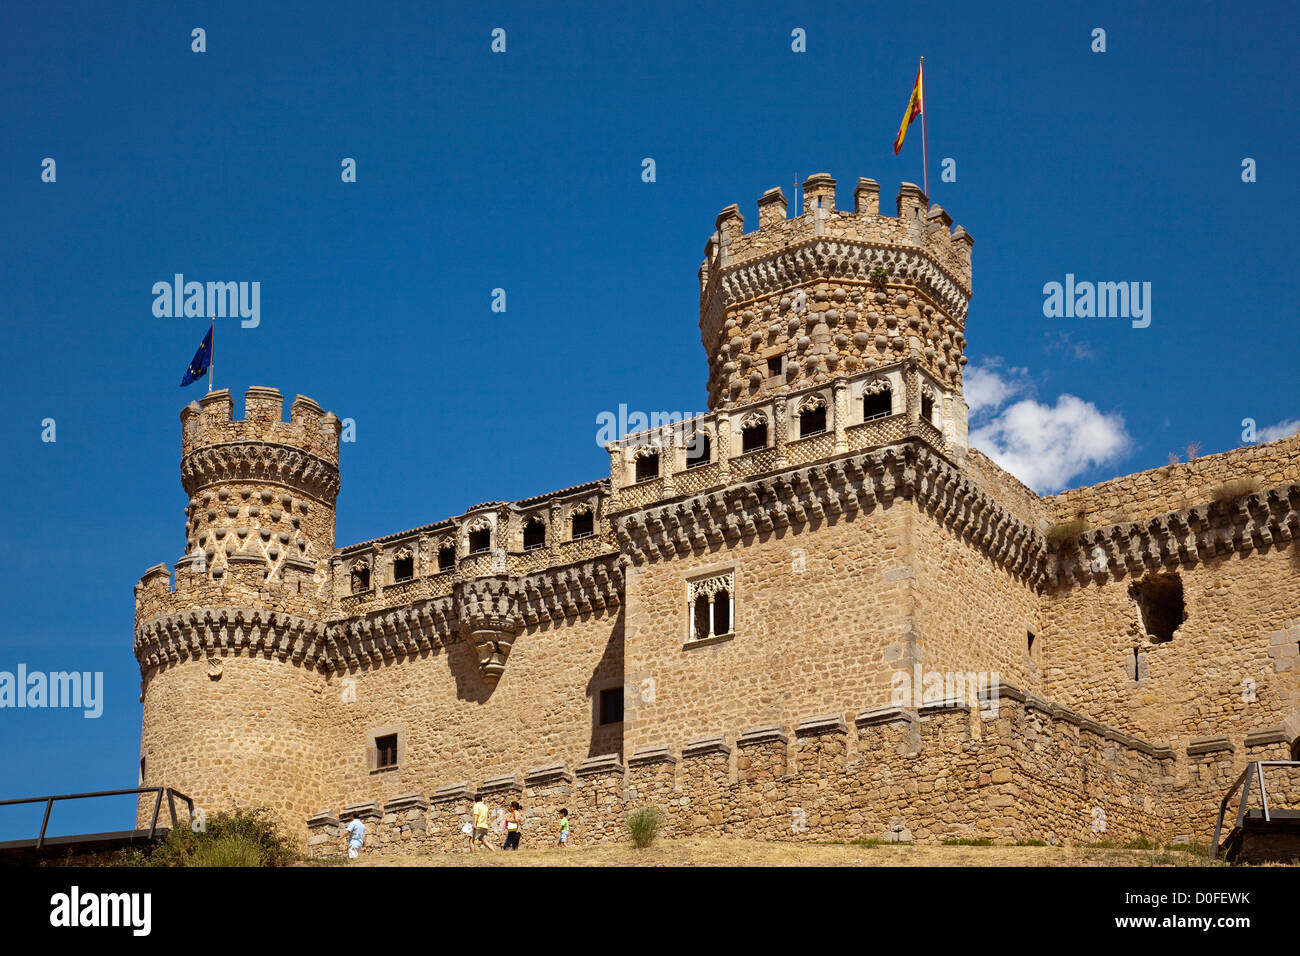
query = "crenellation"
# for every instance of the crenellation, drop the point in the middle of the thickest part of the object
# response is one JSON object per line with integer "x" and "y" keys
{"x": 811, "y": 613}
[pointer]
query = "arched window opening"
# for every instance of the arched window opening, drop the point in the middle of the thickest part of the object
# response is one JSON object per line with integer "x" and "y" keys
{"x": 701, "y": 617}
{"x": 879, "y": 405}
{"x": 698, "y": 450}
{"x": 583, "y": 525}
{"x": 404, "y": 566}
{"x": 722, "y": 612}
{"x": 360, "y": 578}
{"x": 534, "y": 534}
{"x": 446, "y": 557}
{"x": 647, "y": 465}
{"x": 812, "y": 421}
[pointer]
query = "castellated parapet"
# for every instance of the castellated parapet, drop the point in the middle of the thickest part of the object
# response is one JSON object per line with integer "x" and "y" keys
{"x": 829, "y": 292}
{"x": 723, "y": 623}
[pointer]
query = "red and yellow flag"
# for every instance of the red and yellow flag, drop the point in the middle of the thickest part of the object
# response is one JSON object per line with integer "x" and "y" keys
{"x": 915, "y": 107}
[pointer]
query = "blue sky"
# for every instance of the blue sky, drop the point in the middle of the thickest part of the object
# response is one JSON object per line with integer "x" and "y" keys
{"x": 521, "y": 171}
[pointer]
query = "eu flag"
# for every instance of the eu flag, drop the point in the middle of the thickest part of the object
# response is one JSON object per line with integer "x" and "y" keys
{"x": 199, "y": 364}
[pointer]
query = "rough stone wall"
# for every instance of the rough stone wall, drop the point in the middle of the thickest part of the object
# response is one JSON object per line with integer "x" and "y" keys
{"x": 816, "y": 609}
{"x": 240, "y": 731}
{"x": 1231, "y": 668}
{"x": 451, "y": 726}
{"x": 972, "y": 615}
{"x": 1007, "y": 490}
{"x": 1179, "y": 486}
{"x": 1026, "y": 771}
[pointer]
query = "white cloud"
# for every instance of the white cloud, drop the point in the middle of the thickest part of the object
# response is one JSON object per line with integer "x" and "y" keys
{"x": 987, "y": 387}
{"x": 1280, "y": 430}
{"x": 1045, "y": 446}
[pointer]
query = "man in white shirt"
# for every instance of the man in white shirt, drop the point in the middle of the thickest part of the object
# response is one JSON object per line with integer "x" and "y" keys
{"x": 356, "y": 837}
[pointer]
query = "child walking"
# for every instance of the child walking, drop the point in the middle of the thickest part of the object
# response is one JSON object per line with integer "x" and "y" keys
{"x": 564, "y": 829}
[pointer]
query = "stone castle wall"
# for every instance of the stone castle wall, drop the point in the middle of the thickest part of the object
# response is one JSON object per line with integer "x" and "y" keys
{"x": 880, "y": 547}
{"x": 818, "y": 607}
{"x": 1232, "y": 667}
{"x": 1180, "y": 486}
{"x": 946, "y": 771}
{"x": 240, "y": 730}
{"x": 451, "y": 727}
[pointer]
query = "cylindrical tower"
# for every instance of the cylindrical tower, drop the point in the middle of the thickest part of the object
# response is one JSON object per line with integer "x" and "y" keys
{"x": 228, "y": 653}
{"x": 831, "y": 293}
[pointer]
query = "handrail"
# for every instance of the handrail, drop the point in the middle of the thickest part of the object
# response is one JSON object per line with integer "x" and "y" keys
{"x": 153, "y": 823}
{"x": 1255, "y": 767}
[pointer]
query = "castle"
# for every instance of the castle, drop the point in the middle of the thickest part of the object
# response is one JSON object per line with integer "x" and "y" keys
{"x": 739, "y": 624}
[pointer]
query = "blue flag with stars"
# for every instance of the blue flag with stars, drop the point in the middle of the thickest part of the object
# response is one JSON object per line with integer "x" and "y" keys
{"x": 199, "y": 364}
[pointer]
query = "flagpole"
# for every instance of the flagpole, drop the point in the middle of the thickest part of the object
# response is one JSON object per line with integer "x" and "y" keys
{"x": 925, "y": 145}
{"x": 212, "y": 354}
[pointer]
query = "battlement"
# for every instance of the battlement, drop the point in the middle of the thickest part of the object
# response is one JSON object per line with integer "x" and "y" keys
{"x": 801, "y": 300}
{"x": 210, "y": 421}
{"x": 945, "y": 769}
{"x": 916, "y": 224}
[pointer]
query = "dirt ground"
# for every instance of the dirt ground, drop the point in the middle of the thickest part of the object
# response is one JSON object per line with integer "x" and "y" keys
{"x": 736, "y": 852}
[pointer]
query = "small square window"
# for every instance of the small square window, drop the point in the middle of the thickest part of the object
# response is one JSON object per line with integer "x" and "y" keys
{"x": 387, "y": 751}
{"x": 774, "y": 365}
{"x": 480, "y": 541}
{"x": 611, "y": 706}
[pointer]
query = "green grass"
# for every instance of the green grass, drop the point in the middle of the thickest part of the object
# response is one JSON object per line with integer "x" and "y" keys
{"x": 643, "y": 825}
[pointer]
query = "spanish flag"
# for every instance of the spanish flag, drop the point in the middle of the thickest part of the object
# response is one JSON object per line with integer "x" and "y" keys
{"x": 915, "y": 107}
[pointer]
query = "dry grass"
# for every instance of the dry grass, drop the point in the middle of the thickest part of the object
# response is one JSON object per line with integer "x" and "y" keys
{"x": 737, "y": 852}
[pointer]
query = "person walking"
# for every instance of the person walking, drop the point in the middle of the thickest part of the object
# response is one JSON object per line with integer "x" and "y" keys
{"x": 563, "y": 841}
{"x": 356, "y": 837}
{"x": 514, "y": 821}
{"x": 479, "y": 824}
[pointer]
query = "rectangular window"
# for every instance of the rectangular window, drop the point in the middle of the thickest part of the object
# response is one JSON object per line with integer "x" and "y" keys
{"x": 611, "y": 706}
{"x": 387, "y": 751}
{"x": 583, "y": 525}
{"x": 403, "y": 569}
{"x": 774, "y": 365}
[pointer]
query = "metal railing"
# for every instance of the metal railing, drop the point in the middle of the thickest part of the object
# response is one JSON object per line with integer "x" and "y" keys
{"x": 153, "y": 823}
{"x": 1253, "y": 769}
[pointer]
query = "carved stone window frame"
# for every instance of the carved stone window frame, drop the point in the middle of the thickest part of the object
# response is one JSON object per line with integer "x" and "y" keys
{"x": 753, "y": 420}
{"x": 530, "y": 519}
{"x": 360, "y": 564}
{"x": 402, "y": 553}
{"x": 481, "y": 523}
{"x": 580, "y": 508}
{"x": 710, "y": 581}
{"x": 875, "y": 386}
{"x": 810, "y": 403}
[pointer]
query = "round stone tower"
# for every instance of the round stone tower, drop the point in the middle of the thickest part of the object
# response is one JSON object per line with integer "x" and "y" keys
{"x": 831, "y": 293}
{"x": 227, "y": 653}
